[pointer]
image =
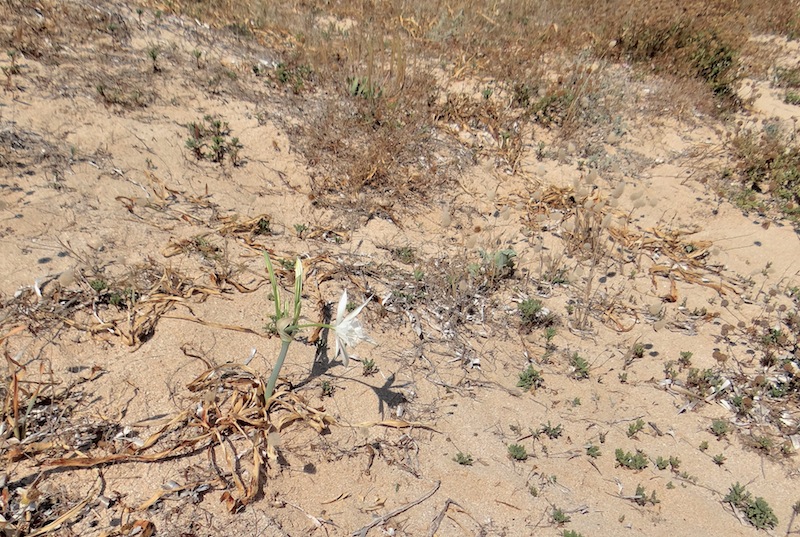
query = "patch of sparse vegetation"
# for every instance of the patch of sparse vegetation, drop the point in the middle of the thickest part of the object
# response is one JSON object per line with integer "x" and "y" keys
{"x": 405, "y": 254}
{"x": 635, "y": 428}
{"x": 530, "y": 378}
{"x": 517, "y": 452}
{"x": 123, "y": 92}
{"x": 297, "y": 77}
{"x": 641, "y": 497}
{"x": 464, "y": 459}
{"x": 378, "y": 102}
{"x": 757, "y": 511}
{"x": 551, "y": 431}
{"x": 786, "y": 77}
{"x": 720, "y": 428}
{"x": 580, "y": 367}
{"x": 671, "y": 462}
{"x": 768, "y": 161}
{"x": 559, "y": 516}
{"x": 153, "y": 53}
{"x": 762, "y": 443}
{"x": 535, "y": 315}
{"x": 368, "y": 367}
{"x": 327, "y": 388}
{"x": 632, "y": 461}
{"x": 209, "y": 139}
{"x": 702, "y": 381}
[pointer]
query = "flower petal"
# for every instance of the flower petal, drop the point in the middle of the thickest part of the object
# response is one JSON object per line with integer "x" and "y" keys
{"x": 356, "y": 311}
{"x": 345, "y": 356}
{"x": 341, "y": 309}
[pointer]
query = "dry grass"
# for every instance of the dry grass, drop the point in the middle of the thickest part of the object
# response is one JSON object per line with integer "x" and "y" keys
{"x": 374, "y": 82}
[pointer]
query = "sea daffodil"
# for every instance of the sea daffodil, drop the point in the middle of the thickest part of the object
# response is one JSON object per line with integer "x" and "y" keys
{"x": 348, "y": 329}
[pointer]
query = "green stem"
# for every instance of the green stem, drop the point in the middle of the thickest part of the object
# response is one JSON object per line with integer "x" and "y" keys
{"x": 315, "y": 325}
{"x": 273, "y": 379}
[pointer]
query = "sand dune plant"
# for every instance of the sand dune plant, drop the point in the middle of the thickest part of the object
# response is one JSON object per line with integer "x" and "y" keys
{"x": 530, "y": 378}
{"x": 637, "y": 461}
{"x": 559, "y": 516}
{"x": 285, "y": 319}
{"x": 757, "y": 511}
{"x": 517, "y": 452}
{"x": 579, "y": 366}
{"x": 347, "y": 329}
{"x": 464, "y": 459}
{"x": 641, "y": 497}
{"x": 535, "y": 315}
{"x": 635, "y": 427}
{"x": 720, "y": 428}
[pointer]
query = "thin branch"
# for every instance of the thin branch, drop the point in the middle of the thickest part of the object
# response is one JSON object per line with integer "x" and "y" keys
{"x": 381, "y": 520}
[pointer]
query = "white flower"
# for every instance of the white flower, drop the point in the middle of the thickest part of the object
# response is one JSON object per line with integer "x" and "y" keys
{"x": 348, "y": 330}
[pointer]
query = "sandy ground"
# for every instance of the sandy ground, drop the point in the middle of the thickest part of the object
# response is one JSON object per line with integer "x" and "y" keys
{"x": 96, "y": 191}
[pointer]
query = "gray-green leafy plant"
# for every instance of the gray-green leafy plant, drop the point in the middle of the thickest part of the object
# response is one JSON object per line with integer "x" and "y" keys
{"x": 641, "y": 497}
{"x": 327, "y": 388}
{"x": 517, "y": 452}
{"x": 671, "y": 462}
{"x": 300, "y": 229}
{"x": 464, "y": 459}
{"x": 764, "y": 443}
{"x": 530, "y": 378}
{"x": 499, "y": 264}
{"x": 405, "y": 254}
{"x": 757, "y": 511}
{"x": 552, "y": 431}
{"x": 632, "y": 461}
{"x": 580, "y": 367}
{"x": 534, "y": 314}
{"x": 720, "y": 428}
{"x": 368, "y": 367}
{"x": 364, "y": 87}
{"x": 549, "y": 334}
{"x": 559, "y": 516}
{"x": 635, "y": 428}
